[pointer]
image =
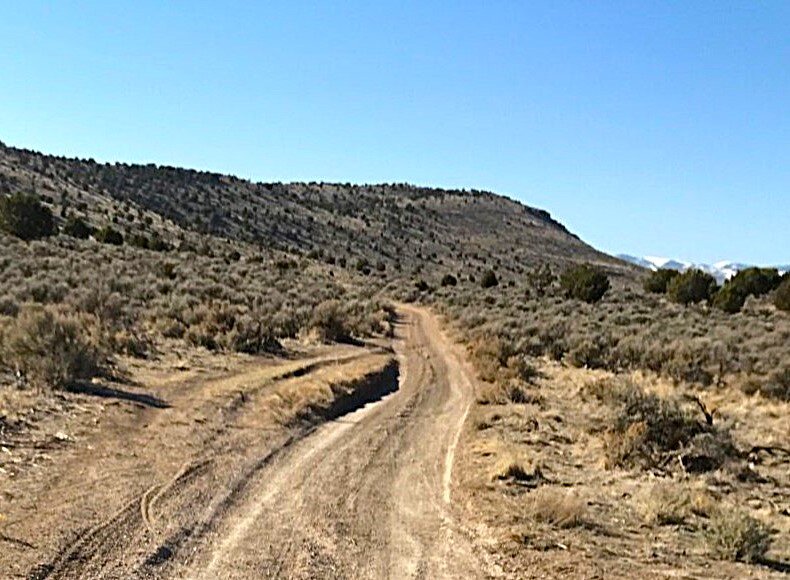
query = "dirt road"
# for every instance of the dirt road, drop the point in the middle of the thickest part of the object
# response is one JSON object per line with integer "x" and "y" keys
{"x": 367, "y": 495}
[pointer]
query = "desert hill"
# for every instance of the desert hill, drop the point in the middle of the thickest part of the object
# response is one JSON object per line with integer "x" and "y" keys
{"x": 384, "y": 227}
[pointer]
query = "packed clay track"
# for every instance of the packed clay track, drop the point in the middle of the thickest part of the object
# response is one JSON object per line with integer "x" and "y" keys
{"x": 213, "y": 487}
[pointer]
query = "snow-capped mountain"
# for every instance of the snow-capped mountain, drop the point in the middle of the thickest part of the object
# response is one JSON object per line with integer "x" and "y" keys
{"x": 722, "y": 270}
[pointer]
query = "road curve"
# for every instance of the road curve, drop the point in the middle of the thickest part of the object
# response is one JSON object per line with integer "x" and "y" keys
{"x": 366, "y": 496}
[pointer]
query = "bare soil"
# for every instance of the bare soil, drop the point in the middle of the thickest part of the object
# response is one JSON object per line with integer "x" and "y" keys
{"x": 370, "y": 461}
{"x": 235, "y": 473}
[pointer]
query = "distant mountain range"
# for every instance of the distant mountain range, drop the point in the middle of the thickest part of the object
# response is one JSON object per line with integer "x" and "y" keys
{"x": 722, "y": 270}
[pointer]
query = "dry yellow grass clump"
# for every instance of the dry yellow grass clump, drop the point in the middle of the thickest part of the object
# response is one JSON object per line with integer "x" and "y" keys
{"x": 318, "y": 392}
{"x": 560, "y": 508}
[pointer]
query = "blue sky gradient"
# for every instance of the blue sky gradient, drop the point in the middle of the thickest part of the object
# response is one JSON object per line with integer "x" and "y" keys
{"x": 657, "y": 128}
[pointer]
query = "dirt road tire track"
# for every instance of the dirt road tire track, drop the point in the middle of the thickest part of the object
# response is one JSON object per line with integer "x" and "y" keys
{"x": 367, "y": 495}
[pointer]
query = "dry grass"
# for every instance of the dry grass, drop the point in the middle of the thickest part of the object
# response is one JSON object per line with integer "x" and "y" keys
{"x": 512, "y": 391}
{"x": 559, "y": 508}
{"x": 674, "y": 503}
{"x": 584, "y": 518}
{"x": 509, "y": 468}
{"x": 316, "y": 392}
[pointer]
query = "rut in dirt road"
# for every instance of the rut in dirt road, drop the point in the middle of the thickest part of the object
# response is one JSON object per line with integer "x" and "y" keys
{"x": 366, "y": 496}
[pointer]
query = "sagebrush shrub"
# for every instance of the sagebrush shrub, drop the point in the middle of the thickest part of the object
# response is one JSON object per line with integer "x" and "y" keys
{"x": 252, "y": 336}
{"x": 52, "y": 348}
{"x": 777, "y": 385}
{"x": 540, "y": 279}
{"x": 648, "y": 427}
{"x": 589, "y": 352}
{"x": 734, "y": 535}
{"x": 331, "y": 322}
{"x": 8, "y": 306}
{"x": 491, "y": 355}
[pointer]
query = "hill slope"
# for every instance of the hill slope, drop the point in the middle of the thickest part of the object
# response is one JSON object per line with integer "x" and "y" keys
{"x": 183, "y": 335}
{"x": 393, "y": 226}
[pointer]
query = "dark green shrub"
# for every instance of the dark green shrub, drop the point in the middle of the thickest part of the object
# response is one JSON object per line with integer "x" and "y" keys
{"x": 756, "y": 281}
{"x": 489, "y": 279}
{"x": 449, "y": 280}
{"x": 157, "y": 244}
{"x": 422, "y": 286}
{"x": 658, "y": 281}
{"x": 77, "y": 228}
{"x": 747, "y": 282}
{"x": 24, "y": 216}
{"x": 139, "y": 241}
{"x": 782, "y": 296}
{"x": 692, "y": 286}
{"x": 729, "y": 299}
{"x": 108, "y": 235}
{"x": 584, "y": 282}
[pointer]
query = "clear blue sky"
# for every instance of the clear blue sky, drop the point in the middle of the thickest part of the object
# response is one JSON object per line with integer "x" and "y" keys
{"x": 646, "y": 127}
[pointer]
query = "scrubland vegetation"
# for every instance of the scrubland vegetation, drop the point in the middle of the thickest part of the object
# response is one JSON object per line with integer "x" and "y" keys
{"x": 629, "y": 330}
{"x": 111, "y": 261}
{"x": 68, "y": 305}
{"x": 603, "y": 419}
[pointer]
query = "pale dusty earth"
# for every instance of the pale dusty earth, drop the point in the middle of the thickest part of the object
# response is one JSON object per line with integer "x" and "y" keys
{"x": 350, "y": 461}
{"x": 212, "y": 483}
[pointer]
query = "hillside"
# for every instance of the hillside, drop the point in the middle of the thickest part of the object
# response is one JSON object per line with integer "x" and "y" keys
{"x": 394, "y": 227}
{"x": 184, "y": 334}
